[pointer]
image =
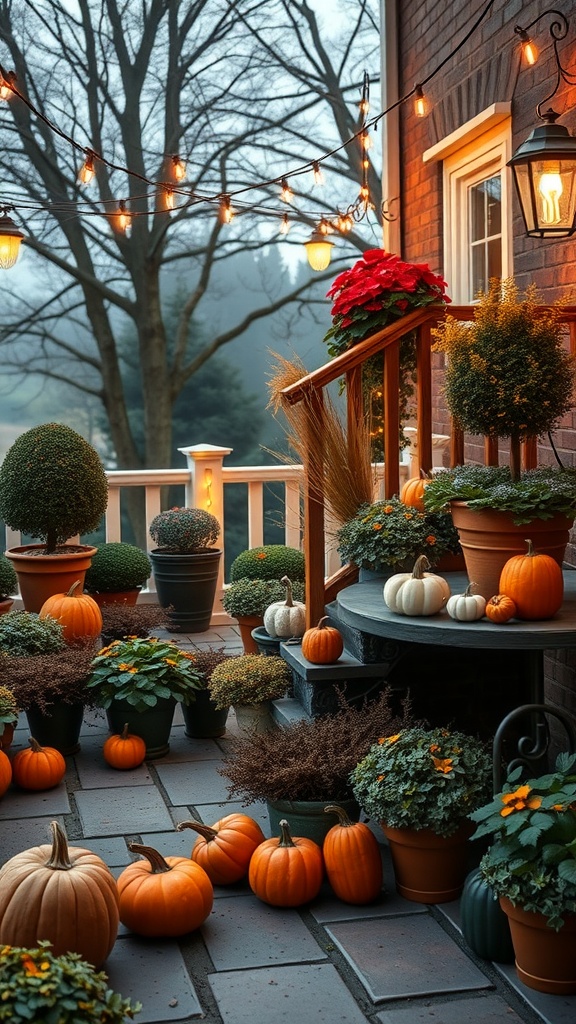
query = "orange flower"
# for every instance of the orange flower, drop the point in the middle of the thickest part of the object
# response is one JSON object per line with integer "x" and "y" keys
{"x": 124, "y": 667}
{"x": 518, "y": 801}
{"x": 377, "y": 526}
{"x": 388, "y": 508}
{"x": 392, "y": 739}
{"x": 379, "y": 778}
{"x": 170, "y": 661}
{"x": 430, "y": 539}
{"x": 408, "y": 515}
{"x": 29, "y": 965}
{"x": 443, "y": 764}
{"x": 261, "y": 554}
{"x": 433, "y": 747}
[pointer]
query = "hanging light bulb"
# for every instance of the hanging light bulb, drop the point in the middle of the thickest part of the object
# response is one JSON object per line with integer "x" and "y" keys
{"x": 285, "y": 225}
{"x": 529, "y": 50}
{"x": 364, "y": 106}
{"x": 178, "y": 168}
{"x": 550, "y": 189}
{"x": 344, "y": 223}
{"x": 122, "y": 217}
{"x": 544, "y": 169}
{"x": 365, "y": 140}
{"x": 286, "y": 193}
{"x": 421, "y": 105}
{"x": 86, "y": 172}
{"x": 318, "y": 249}
{"x": 317, "y": 173}
{"x": 10, "y": 239}
{"x": 226, "y": 210}
{"x": 168, "y": 195}
{"x": 5, "y": 85}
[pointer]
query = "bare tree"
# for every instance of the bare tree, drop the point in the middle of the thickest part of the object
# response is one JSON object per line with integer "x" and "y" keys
{"x": 241, "y": 90}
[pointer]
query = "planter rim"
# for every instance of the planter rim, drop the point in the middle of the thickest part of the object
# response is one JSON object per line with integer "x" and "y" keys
{"x": 26, "y": 551}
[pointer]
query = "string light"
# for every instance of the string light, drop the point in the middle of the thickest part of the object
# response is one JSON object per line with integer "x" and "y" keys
{"x": 178, "y": 168}
{"x": 86, "y": 172}
{"x": 365, "y": 140}
{"x": 364, "y": 104}
{"x": 122, "y": 217}
{"x": 286, "y": 193}
{"x": 208, "y": 487}
{"x": 226, "y": 210}
{"x": 6, "y": 81}
{"x": 285, "y": 225}
{"x": 421, "y": 105}
{"x": 529, "y": 51}
{"x": 318, "y": 249}
{"x": 168, "y": 197}
{"x": 10, "y": 239}
{"x": 317, "y": 173}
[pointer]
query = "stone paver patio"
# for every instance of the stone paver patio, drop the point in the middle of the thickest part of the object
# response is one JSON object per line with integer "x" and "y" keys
{"x": 393, "y": 962}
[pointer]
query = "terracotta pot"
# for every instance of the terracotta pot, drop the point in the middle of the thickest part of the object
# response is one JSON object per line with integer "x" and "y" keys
{"x": 6, "y": 605}
{"x": 247, "y": 623}
{"x": 105, "y": 597}
{"x": 429, "y": 868}
{"x": 545, "y": 959}
{"x": 490, "y": 538}
{"x": 41, "y": 576}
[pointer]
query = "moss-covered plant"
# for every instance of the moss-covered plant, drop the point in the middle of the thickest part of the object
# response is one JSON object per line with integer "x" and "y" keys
{"x": 141, "y": 670}
{"x": 508, "y": 373}
{"x": 184, "y": 531}
{"x": 312, "y": 759}
{"x": 390, "y": 533}
{"x": 122, "y": 620}
{"x": 64, "y": 676}
{"x": 249, "y": 679}
{"x": 8, "y": 578}
{"x": 24, "y": 633}
{"x": 39, "y": 986}
{"x": 268, "y": 562}
{"x": 117, "y": 566}
{"x": 253, "y": 597}
{"x": 538, "y": 494}
{"x": 52, "y": 485}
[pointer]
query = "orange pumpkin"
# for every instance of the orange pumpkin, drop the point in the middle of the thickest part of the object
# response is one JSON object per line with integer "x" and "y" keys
{"x": 352, "y": 858}
{"x": 38, "y": 767}
{"x": 286, "y": 872}
{"x": 5, "y": 772}
{"x": 78, "y": 613}
{"x": 225, "y": 848}
{"x": 163, "y": 897}
{"x": 500, "y": 609}
{"x": 322, "y": 644}
{"x": 124, "y": 750}
{"x": 412, "y": 492}
{"x": 535, "y": 584}
{"x": 61, "y": 893}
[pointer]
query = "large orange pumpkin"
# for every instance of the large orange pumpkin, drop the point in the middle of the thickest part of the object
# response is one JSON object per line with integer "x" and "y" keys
{"x": 225, "y": 848}
{"x": 124, "y": 750}
{"x": 61, "y": 893}
{"x": 78, "y": 613}
{"x": 535, "y": 584}
{"x": 412, "y": 492}
{"x": 5, "y": 772}
{"x": 163, "y": 897}
{"x": 322, "y": 644}
{"x": 286, "y": 872}
{"x": 352, "y": 858}
{"x": 38, "y": 767}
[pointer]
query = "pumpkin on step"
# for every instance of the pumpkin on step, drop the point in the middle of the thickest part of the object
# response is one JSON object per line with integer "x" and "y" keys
{"x": 322, "y": 644}
{"x": 225, "y": 848}
{"x": 417, "y": 592}
{"x": 163, "y": 897}
{"x": 534, "y": 582}
{"x": 78, "y": 613}
{"x": 285, "y": 619}
{"x": 352, "y": 858}
{"x": 38, "y": 767}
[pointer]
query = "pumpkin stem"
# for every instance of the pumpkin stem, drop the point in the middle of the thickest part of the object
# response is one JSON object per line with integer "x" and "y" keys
{"x": 206, "y": 831}
{"x": 35, "y": 745}
{"x": 59, "y": 858}
{"x": 285, "y": 837}
{"x": 530, "y": 553}
{"x": 288, "y": 584}
{"x": 157, "y": 862}
{"x": 420, "y": 566}
{"x": 469, "y": 591}
{"x": 343, "y": 818}
{"x": 72, "y": 589}
{"x": 322, "y": 621}
{"x": 124, "y": 733}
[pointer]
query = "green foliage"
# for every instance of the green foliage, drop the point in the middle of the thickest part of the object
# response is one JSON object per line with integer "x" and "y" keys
{"x": 184, "y": 530}
{"x": 52, "y": 485}
{"x": 252, "y": 597}
{"x": 532, "y": 859}
{"x": 508, "y": 374}
{"x": 39, "y": 986}
{"x": 139, "y": 670}
{"x": 389, "y": 533}
{"x": 268, "y": 562}
{"x": 24, "y": 633}
{"x": 8, "y": 706}
{"x": 539, "y": 494}
{"x": 8, "y": 578}
{"x": 249, "y": 679}
{"x": 117, "y": 566}
{"x": 421, "y": 778}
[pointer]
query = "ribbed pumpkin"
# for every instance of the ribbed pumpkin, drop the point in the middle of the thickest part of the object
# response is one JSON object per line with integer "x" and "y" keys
{"x": 163, "y": 897}
{"x": 352, "y": 858}
{"x": 500, "y": 609}
{"x": 78, "y": 613}
{"x": 287, "y": 618}
{"x": 225, "y": 848}
{"x": 61, "y": 893}
{"x": 286, "y": 872}
{"x": 466, "y": 607}
{"x": 412, "y": 492}
{"x": 484, "y": 924}
{"x": 38, "y": 767}
{"x": 417, "y": 592}
{"x": 5, "y": 772}
{"x": 322, "y": 644}
{"x": 535, "y": 584}
{"x": 124, "y": 750}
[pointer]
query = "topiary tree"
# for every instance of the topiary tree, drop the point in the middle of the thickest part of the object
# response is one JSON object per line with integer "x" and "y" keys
{"x": 268, "y": 562}
{"x": 52, "y": 485}
{"x": 117, "y": 566}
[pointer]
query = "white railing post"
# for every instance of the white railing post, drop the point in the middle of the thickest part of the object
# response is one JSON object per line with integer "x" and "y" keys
{"x": 206, "y": 490}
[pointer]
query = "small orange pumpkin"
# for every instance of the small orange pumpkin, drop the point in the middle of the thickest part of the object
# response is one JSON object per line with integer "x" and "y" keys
{"x": 124, "y": 750}
{"x": 534, "y": 582}
{"x": 352, "y": 858}
{"x": 78, "y": 613}
{"x": 225, "y": 848}
{"x": 5, "y": 772}
{"x": 163, "y": 897}
{"x": 38, "y": 767}
{"x": 412, "y": 492}
{"x": 500, "y": 609}
{"x": 286, "y": 872}
{"x": 322, "y": 644}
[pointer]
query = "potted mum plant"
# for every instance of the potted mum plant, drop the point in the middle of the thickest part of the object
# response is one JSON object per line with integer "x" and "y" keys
{"x": 421, "y": 784}
{"x": 186, "y": 565}
{"x": 250, "y": 682}
{"x": 254, "y": 577}
{"x": 52, "y": 487}
{"x": 531, "y": 867}
{"x": 117, "y": 573}
{"x": 138, "y": 681}
{"x": 508, "y": 376}
{"x": 8, "y": 584}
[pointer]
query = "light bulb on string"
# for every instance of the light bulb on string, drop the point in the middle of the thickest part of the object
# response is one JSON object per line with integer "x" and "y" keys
{"x": 168, "y": 196}
{"x": 178, "y": 168}
{"x": 10, "y": 239}
{"x": 365, "y": 140}
{"x": 317, "y": 173}
{"x": 286, "y": 193}
{"x": 529, "y": 50}
{"x": 86, "y": 172}
{"x": 226, "y": 212}
{"x": 285, "y": 225}
{"x": 5, "y": 85}
{"x": 122, "y": 217}
{"x": 319, "y": 248}
{"x": 421, "y": 104}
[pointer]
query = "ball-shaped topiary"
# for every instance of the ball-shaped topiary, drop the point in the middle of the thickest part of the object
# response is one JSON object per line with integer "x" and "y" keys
{"x": 184, "y": 530}
{"x": 117, "y": 566}
{"x": 268, "y": 562}
{"x": 52, "y": 485}
{"x": 8, "y": 578}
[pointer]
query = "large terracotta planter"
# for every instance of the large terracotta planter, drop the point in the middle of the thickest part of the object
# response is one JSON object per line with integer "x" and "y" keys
{"x": 40, "y": 576}
{"x": 545, "y": 959}
{"x": 489, "y": 538}
{"x": 429, "y": 868}
{"x": 186, "y": 586}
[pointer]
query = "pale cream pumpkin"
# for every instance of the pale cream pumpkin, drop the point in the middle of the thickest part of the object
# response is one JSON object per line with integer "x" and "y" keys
{"x": 417, "y": 592}
{"x": 285, "y": 619}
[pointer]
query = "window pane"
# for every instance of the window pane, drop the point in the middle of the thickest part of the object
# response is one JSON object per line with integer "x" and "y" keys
{"x": 477, "y": 271}
{"x": 477, "y": 213}
{"x": 494, "y": 258}
{"x": 494, "y": 205}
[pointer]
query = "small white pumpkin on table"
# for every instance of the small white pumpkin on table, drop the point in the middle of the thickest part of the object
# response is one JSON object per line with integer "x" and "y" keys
{"x": 417, "y": 592}
{"x": 285, "y": 619}
{"x": 466, "y": 607}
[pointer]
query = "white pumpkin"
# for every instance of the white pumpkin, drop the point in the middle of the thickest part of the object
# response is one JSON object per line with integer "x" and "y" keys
{"x": 285, "y": 619}
{"x": 466, "y": 607}
{"x": 416, "y": 592}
